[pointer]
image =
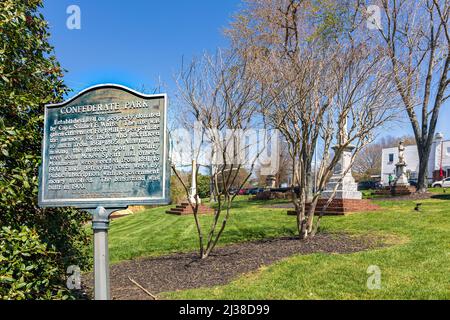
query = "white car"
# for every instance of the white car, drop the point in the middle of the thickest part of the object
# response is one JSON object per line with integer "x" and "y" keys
{"x": 442, "y": 184}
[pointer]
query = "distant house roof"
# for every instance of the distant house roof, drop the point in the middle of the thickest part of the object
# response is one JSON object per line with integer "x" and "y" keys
{"x": 408, "y": 146}
{"x": 396, "y": 148}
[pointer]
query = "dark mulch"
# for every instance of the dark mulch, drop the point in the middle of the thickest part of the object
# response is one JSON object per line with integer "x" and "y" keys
{"x": 413, "y": 196}
{"x": 185, "y": 271}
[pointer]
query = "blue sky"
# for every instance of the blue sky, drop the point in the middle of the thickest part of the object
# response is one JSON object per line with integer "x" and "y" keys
{"x": 134, "y": 42}
{"x": 137, "y": 42}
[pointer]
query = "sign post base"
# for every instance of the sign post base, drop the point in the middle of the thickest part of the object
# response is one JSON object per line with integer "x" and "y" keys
{"x": 100, "y": 226}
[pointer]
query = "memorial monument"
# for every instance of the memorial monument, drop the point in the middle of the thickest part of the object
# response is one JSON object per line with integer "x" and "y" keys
{"x": 185, "y": 207}
{"x": 342, "y": 187}
{"x": 342, "y": 179}
{"x": 402, "y": 179}
{"x": 271, "y": 181}
{"x": 193, "y": 195}
{"x": 401, "y": 185}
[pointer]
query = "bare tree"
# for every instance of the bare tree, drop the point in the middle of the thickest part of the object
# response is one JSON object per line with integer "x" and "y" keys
{"x": 415, "y": 36}
{"x": 218, "y": 95}
{"x": 326, "y": 91}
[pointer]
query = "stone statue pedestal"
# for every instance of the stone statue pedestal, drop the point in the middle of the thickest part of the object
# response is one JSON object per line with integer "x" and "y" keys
{"x": 271, "y": 181}
{"x": 347, "y": 188}
{"x": 402, "y": 179}
{"x": 347, "y": 199}
{"x": 401, "y": 185}
{"x": 185, "y": 207}
{"x": 342, "y": 188}
{"x": 192, "y": 197}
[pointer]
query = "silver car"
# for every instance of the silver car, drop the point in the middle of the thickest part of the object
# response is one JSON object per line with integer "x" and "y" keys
{"x": 442, "y": 184}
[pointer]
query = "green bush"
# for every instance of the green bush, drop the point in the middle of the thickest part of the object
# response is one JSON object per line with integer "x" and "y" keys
{"x": 30, "y": 77}
{"x": 177, "y": 192}
{"x": 203, "y": 186}
{"x": 28, "y": 269}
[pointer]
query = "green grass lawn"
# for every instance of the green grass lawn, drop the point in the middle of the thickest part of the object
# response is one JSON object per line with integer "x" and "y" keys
{"x": 439, "y": 190}
{"x": 154, "y": 232}
{"x": 416, "y": 265}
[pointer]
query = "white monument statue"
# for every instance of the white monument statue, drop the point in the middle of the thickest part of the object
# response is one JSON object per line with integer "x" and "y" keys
{"x": 402, "y": 179}
{"x": 193, "y": 196}
{"x": 401, "y": 153}
{"x": 347, "y": 188}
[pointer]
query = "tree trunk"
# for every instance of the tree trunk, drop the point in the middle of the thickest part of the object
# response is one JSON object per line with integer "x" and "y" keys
{"x": 301, "y": 216}
{"x": 424, "y": 156}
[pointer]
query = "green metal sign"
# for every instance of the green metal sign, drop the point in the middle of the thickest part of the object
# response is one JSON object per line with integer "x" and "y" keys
{"x": 106, "y": 147}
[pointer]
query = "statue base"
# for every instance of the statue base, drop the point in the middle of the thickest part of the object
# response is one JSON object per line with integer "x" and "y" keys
{"x": 396, "y": 191}
{"x": 342, "y": 181}
{"x": 346, "y": 198}
{"x": 402, "y": 179}
{"x": 341, "y": 207}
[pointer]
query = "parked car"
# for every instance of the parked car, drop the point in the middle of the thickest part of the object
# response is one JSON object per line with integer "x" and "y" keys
{"x": 255, "y": 191}
{"x": 442, "y": 184}
{"x": 285, "y": 190}
{"x": 282, "y": 190}
{"x": 243, "y": 192}
{"x": 367, "y": 185}
{"x": 413, "y": 182}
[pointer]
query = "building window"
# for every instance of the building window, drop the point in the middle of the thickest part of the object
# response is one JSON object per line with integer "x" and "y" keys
{"x": 448, "y": 150}
{"x": 391, "y": 157}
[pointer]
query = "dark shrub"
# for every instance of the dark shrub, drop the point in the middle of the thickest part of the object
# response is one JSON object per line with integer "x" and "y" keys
{"x": 28, "y": 268}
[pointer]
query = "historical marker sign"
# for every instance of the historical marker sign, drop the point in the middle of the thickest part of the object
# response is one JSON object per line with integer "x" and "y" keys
{"x": 106, "y": 147}
{"x": 104, "y": 150}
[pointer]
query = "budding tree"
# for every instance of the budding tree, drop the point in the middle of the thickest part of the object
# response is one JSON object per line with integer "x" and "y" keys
{"x": 217, "y": 95}
{"x": 324, "y": 89}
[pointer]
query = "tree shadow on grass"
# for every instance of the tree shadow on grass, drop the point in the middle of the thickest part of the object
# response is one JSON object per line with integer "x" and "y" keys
{"x": 441, "y": 196}
{"x": 244, "y": 203}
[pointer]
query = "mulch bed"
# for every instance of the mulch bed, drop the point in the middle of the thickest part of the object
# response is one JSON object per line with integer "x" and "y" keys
{"x": 412, "y": 196}
{"x": 185, "y": 271}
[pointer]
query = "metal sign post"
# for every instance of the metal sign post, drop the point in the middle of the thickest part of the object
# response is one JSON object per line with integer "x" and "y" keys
{"x": 100, "y": 226}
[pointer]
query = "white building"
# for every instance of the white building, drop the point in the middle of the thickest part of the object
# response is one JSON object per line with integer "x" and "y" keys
{"x": 439, "y": 159}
